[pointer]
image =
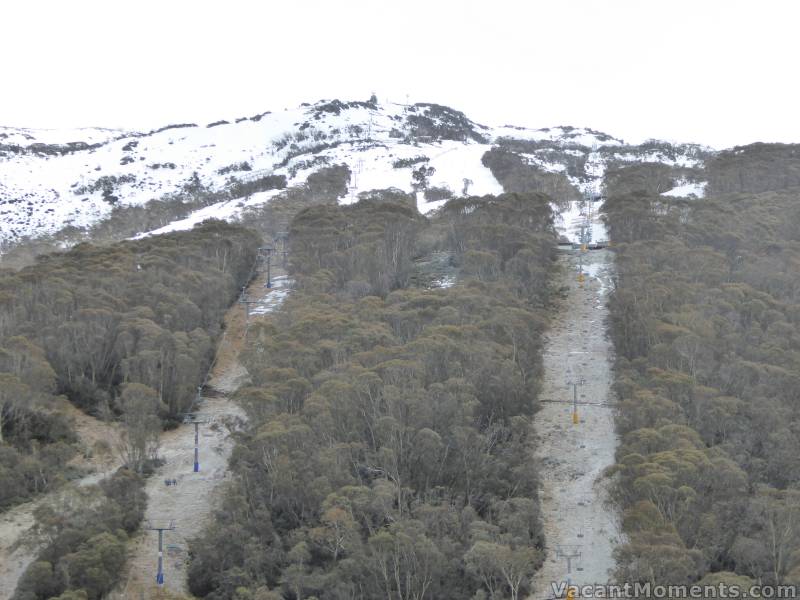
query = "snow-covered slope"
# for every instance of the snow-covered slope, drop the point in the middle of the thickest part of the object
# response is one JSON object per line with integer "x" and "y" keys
{"x": 51, "y": 179}
{"x": 565, "y": 135}
{"x": 16, "y": 136}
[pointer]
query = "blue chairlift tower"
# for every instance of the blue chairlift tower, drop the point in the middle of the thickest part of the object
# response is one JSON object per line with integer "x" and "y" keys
{"x": 196, "y": 419}
{"x": 161, "y": 528}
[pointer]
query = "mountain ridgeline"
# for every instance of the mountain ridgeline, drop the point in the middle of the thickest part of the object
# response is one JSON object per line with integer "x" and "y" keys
{"x": 56, "y": 190}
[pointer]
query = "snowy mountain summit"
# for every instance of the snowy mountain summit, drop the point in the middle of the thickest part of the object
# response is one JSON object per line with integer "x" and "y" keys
{"x": 59, "y": 182}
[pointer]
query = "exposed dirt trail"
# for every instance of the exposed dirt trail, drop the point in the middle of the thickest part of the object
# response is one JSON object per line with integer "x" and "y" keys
{"x": 19, "y": 544}
{"x": 577, "y": 518}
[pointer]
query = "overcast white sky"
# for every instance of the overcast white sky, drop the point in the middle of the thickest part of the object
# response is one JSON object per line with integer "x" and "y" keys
{"x": 711, "y": 71}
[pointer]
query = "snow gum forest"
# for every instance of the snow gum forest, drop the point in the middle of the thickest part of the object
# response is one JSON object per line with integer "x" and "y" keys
{"x": 419, "y": 358}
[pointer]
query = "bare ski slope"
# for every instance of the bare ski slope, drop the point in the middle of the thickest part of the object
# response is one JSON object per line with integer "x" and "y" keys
{"x": 578, "y": 521}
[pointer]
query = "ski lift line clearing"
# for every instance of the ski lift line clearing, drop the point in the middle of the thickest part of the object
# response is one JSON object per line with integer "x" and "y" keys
{"x": 581, "y": 403}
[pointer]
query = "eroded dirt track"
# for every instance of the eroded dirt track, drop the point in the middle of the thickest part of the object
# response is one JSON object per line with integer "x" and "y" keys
{"x": 578, "y": 522}
{"x": 19, "y": 542}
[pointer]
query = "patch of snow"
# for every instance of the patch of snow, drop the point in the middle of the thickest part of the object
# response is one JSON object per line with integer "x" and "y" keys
{"x": 580, "y": 215}
{"x": 273, "y": 297}
{"x": 688, "y": 189}
{"x": 453, "y": 162}
{"x": 228, "y": 210}
{"x": 19, "y": 136}
{"x": 445, "y": 282}
{"x": 600, "y": 272}
{"x": 457, "y": 161}
{"x": 424, "y": 207}
{"x": 680, "y": 160}
{"x": 550, "y": 167}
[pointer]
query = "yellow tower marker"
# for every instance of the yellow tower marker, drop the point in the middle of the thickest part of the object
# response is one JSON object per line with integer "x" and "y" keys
{"x": 574, "y": 385}
{"x": 571, "y": 592}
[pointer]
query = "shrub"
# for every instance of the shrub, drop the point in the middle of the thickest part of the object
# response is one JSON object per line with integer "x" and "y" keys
{"x": 86, "y": 553}
{"x": 516, "y": 175}
{"x": 434, "y": 194}
{"x": 242, "y": 166}
{"x": 239, "y": 189}
{"x": 403, "y": 163}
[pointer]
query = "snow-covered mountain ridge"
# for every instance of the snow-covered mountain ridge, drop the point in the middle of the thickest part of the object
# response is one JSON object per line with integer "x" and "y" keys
{"x": 52, "y": 179}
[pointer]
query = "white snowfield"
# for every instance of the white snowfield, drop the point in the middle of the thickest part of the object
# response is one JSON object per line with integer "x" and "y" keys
{"x": 688, "y": 189}
{"x": 47, "y": 185}
{"x": 18, "y": 136}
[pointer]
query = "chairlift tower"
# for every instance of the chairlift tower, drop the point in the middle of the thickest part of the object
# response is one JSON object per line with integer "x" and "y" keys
{"x": 196, "y": 419}
{"x": 586, "y": 229}
{"x": 282, "y": 237}
{"x": 245, "y": 301}
{"x": 569, "y": 552}
{"x": 575, "y": 383}
{"x": 267, "y": 252}
{"x": 161, "y": 528}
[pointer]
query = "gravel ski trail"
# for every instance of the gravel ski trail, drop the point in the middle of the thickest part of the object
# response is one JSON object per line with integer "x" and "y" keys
{"x": 578, "y": 520}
